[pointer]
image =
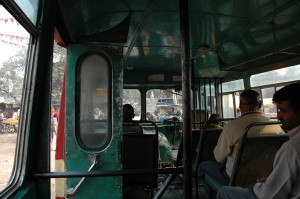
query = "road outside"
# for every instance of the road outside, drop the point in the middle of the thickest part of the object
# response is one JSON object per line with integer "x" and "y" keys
{"x": 7, "y": 153}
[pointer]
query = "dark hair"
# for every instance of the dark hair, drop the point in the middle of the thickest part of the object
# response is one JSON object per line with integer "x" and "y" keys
{"x": 214, "y": 117}
{"x": 250, "y": 97}
{"x": 289, "y": 93}
{"x": 128, "y": 112}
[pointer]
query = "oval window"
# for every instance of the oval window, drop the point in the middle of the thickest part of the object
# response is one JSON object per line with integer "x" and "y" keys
{"x": 93, "y": 132}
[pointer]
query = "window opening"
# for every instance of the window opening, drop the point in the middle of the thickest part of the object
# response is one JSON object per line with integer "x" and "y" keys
{"x": 14, "y": 41}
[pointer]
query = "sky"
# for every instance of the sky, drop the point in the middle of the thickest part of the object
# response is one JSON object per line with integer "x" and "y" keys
{"x": 13, "y": 37}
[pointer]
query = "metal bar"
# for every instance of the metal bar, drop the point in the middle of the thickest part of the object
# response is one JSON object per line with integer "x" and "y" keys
{"x": 20, "y": 16}
{"x": 222, "y": 114}
{"x": 165, "y": 186}
{"x": 210, "y": 97}
{"x": 204, "y": 94}
{"x": 199, "y": 100}
{"x": 148, "y": 10}
{"x": 186, "y": 93}
{"x": 76, "y": 174}
{"x": 216, "y": 97}
{"x": 194, "y": 92}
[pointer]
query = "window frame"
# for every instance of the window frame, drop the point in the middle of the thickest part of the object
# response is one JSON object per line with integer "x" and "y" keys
{"x": 79, "y": 141}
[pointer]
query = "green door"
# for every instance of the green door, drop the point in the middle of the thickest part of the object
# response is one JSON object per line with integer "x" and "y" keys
{"x": 93, "y": 120}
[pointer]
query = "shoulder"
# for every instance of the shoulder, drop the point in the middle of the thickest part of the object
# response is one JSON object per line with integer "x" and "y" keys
{"x": 293, "y": 144}
{"x": 232, "y": 123}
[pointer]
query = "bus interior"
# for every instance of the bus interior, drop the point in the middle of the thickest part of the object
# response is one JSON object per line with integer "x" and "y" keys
{"x": 175, "y": 62}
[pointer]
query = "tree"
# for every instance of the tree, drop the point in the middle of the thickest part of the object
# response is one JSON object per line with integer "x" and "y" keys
{"x": 59, "y": 61}
{"x": 12, "y": 74}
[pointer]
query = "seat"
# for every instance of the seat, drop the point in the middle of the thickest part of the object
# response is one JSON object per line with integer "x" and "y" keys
{"x": 207, "y": 142}
{"x": 252, "y": 152}
{"x": 132, "y": 128}
{"x": 140, "y": 152}
{"x": 171, "y": 176}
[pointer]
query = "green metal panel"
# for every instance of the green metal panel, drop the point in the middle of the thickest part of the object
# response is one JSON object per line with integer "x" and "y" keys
{"x": 77, "y": 159}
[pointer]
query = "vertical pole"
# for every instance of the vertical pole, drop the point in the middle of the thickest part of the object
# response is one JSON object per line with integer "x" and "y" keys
{"x": 221, "y": 82}
{"x": 200, "y": 100}
{"x": 210, "y": 97}
{"x": 205, "y": 99}
{"x": 186, "y": 93}
{"x": 194, "y": 93}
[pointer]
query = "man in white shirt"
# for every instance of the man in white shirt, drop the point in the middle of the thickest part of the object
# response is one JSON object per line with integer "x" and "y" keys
{"x": 227, "y": 146}
{"x": 284, "y": 181}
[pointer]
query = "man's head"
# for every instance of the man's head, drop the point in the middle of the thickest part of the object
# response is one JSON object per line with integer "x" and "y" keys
{"x": 128, "y": 113}
{"x": 215, "y": 116}
{"x": 287, "y": 100}
{"x": 249, "y": 101}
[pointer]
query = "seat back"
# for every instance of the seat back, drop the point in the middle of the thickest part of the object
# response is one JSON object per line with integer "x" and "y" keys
{"x": 140, "y": 151}
{"x": 208, "y": 141}
{"x": 132, "y": 128}
{"x": 255, "y": 159}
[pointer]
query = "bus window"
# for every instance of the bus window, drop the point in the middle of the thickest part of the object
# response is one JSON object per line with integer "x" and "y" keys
{"x": 276, "y": 76}
{"x": 133, "y": 97}
{"x": 231, "y": 103}
{"x": 94, "y": 101}
{"x": 163, "y": 104}
{"x": 13, "y": 49}
{"x": 228, "y": 106}
{"x": 233, "y": 86}
{"x": 268, "y": 107}
{"x": 29, "y": 8}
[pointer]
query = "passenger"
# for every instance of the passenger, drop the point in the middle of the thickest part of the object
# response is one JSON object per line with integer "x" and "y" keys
{"x": 54, "y": 126}
{"x": 284, "y": 181}
{"x": 212, "y": 123}
{"x": 151, "y": 117}
{"x": 128, "y": 115}
{"x": 227, "y": 145}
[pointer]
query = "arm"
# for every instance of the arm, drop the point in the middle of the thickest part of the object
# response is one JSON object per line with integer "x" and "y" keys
{"x": 279, "y": 183}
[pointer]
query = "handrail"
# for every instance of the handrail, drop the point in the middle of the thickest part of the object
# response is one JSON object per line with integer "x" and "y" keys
{"x": 76, "y": 174}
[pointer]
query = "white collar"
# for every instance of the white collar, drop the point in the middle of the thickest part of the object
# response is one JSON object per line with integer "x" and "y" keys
{"x": 294, "y": 132}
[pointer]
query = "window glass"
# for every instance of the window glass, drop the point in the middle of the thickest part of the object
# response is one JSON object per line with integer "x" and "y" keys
{"x": 133, "y": 97}
{"x": 231, "y": 103}
{"x": 233, "y": 86}
{"x": 13, "y": 50}
{"x": 276, "y": 76}
{"x": 211, "y": 98}
{"x": 30, "y": 8}
{"x": 163, "y": 104}
{"x": 94, "y": 91}
{"x": 269, "y": 108}
{"x": 228, "y": 106}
